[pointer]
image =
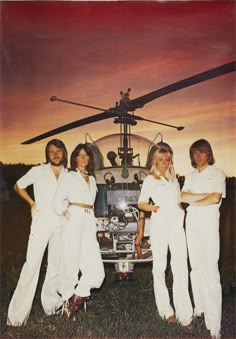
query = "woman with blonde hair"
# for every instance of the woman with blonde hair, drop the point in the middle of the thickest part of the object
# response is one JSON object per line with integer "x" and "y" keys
{"x": 166, "y": 231}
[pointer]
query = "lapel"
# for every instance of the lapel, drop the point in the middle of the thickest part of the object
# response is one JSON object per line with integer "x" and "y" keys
{"x": 62, "y": 173}
{"x": 83, "y": 182}
{"x": 50, "y": 172}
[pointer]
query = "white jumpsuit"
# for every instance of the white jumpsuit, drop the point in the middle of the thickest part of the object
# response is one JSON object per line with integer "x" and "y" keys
{"x": 166, "y": 230}
{"x": 80, "y": 249}
{"x": 45, "y": 230}
{"x": 202, "y": 230}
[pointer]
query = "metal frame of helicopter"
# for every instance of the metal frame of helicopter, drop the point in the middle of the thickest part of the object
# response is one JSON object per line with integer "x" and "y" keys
{"x": 121, "y": 223}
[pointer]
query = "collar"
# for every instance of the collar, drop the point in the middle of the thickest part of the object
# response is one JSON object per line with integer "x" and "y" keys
{"x": 49, "y": 169}
{"x": 206, "y": 170}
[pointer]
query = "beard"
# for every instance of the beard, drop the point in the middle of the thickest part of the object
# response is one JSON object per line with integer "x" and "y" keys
{"x": 56, "y": 162}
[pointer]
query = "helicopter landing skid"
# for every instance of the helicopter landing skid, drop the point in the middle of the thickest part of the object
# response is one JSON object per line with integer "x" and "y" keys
{"x": 125, "y": 261}
{"x": 124, "y": 267}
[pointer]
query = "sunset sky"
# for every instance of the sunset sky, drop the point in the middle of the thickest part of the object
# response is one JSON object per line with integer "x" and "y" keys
{"x": 90, "y": 51}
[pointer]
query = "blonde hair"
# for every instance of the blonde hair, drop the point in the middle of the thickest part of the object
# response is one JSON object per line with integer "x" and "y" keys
{"x": 163, "y": 149}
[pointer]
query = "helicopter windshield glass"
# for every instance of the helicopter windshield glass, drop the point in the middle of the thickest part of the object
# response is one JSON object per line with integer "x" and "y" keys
{"x": 139, "y": 148}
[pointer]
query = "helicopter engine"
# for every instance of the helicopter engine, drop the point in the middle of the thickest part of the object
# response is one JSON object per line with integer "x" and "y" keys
{"x": 123, "y": 219}
{"x": 118, "y": 232}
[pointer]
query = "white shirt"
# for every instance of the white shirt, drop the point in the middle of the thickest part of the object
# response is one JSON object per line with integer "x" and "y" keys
{"x": 163, "y": 193}
{"x": 210, "y": 180}
{"x": 45, "y": 184}
{"x": 73, "y": 188}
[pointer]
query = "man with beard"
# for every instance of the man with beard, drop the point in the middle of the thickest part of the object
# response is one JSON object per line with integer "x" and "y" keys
{"x": 45, "y": 230}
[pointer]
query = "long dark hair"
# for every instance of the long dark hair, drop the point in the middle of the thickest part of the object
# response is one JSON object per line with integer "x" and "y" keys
{"x": 75, "y": 153}
{"x": 59, "y": 144}
{"x": 203, "y": 146}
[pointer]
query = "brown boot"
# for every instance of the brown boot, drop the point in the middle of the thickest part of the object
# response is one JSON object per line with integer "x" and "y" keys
{"x": 77, "y": 302}
{"x": 66, "y": 309}
{"x": 71, "y": 306}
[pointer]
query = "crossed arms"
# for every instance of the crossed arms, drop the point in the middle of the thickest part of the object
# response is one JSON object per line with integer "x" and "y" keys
{"x": 200, "y": 199}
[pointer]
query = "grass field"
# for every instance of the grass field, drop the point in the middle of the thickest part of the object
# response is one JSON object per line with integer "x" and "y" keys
{"x": 124, "y": 309}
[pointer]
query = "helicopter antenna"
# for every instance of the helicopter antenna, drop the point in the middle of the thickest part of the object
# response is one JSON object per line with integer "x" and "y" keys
{"x": 158, "y": 134}
{"x": 157, "y": 137}
{"x": 87, "y": 135}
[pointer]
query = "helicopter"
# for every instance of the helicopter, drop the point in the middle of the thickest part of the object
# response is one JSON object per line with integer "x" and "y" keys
{"x": 119, "y": 181}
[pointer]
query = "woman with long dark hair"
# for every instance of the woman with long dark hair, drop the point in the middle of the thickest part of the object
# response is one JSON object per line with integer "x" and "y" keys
{"x": 80, "y": 252}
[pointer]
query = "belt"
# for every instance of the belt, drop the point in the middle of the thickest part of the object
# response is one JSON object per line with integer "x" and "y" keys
{"x": 90, "y": 207}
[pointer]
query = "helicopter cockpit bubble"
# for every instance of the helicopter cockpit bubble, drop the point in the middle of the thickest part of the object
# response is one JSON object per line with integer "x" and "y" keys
{"x": 154, "y": 146}
{"x": 109, "y": 144}
{"x": 97, "y": 154}
{"x": 165, "y": 146}
{"x": 98, "y": 157}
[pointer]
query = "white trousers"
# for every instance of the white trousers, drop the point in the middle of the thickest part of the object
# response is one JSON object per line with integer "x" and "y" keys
{"x": 41, "y": 235}
{"x": 80, "y": 253}
{"x": 166, "y": 230}
{"x": 202, "y": 230}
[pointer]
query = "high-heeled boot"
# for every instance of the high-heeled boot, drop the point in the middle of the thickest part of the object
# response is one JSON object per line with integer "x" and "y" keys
{"x": 78, "y": 302}
{"x": 71, "y": 306}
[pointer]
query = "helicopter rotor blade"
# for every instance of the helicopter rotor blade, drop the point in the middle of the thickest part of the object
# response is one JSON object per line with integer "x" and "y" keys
{"x": 54, "y": 98}
{"x": 193, "y": 80}
{"x": 67, "y": 127}
{"x": 138, "y": 102}
{"x": 136, "y": 117}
